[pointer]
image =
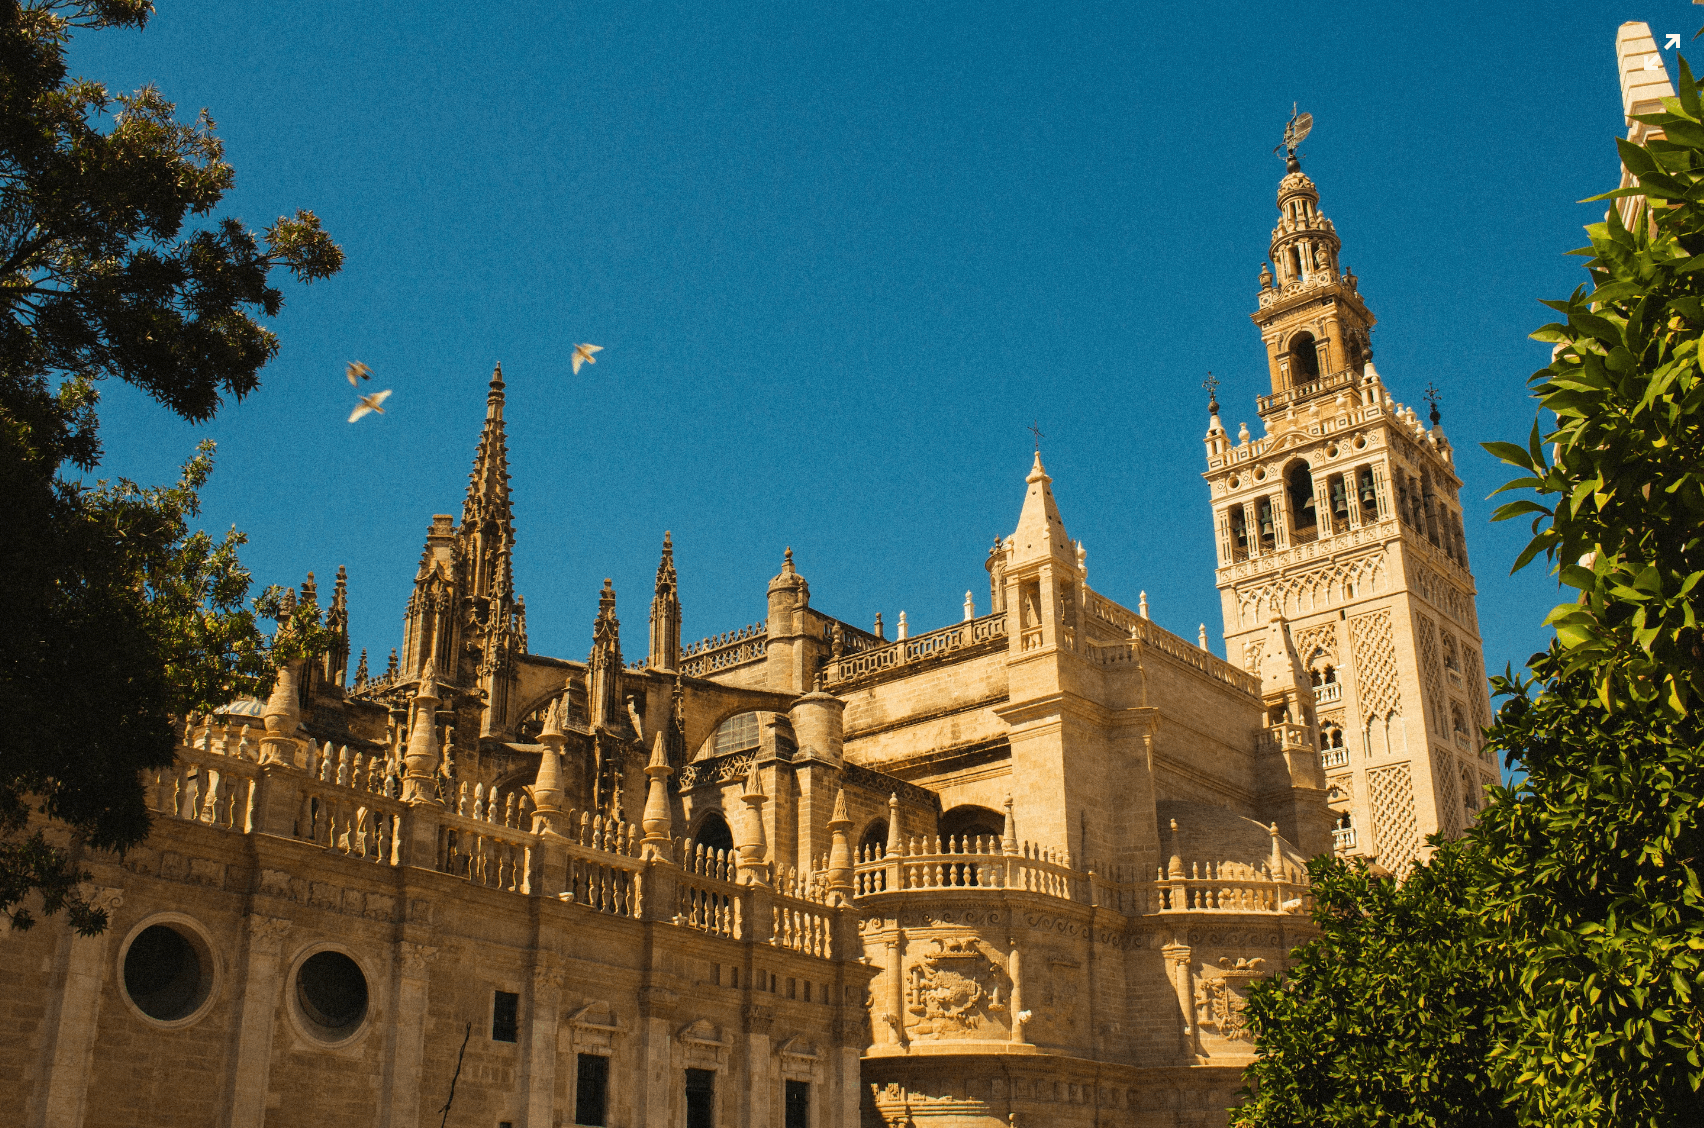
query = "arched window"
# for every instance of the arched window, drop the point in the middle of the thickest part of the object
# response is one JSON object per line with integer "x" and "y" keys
{"x": 1470, "y": 791}
{"x": 1331, "y": 736}
{"x": 1345, "y": 821}
{"x": 1304, "y": 517}
{"x": 1457, "y": 721}
{"x": 1304, "y": 359}
{"x": 713, "y": 833}
{"x": 736, "y": 734}
{"x": 873, "y": 844}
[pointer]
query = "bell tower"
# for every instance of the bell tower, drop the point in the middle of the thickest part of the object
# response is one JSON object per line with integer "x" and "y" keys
{"x": 1340, "y": 530}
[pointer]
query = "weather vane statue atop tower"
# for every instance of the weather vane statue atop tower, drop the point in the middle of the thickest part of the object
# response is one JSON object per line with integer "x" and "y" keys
{"x": 1295, "y": 132}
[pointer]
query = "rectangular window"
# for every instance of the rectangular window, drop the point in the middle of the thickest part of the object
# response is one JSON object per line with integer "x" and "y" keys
{"x": 700, "y": 1098}
{"x": 505, "y": 1016}
{"x": 734, "y": 977}
{"x": 798, "y": 1104}
{"x": 807, "y": 990}
{"x": 715, "y": 975}
{"x": 591, "y": 1091}
{"x": 792, "y": 988}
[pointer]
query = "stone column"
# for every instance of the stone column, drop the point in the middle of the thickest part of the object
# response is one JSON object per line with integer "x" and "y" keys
{"x": 1183, "y": 979}
{"x": 71, "y": 1033}
{"x": 896, "y": 986}
{"x": 1014, "y": 972}
{"x": 760, "y": 1070}
{"x": 540, "y": 1065}
{"x": 251, "y": 1069}
{"x": 408, "y": 1035}
{"x": 652, "y": 1099}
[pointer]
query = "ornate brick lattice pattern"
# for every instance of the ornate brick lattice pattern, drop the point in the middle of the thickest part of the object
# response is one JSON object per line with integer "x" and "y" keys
{"x": 1375, "y": 664}
{"x": 1303, "y": 593}
{"x": 1322, "y": 638}
{"x": 1431, "y": 672}
{"x": 1447, "y": 792}
{"x": 1478, "y": 693}
{"x": 1392, "y": 794}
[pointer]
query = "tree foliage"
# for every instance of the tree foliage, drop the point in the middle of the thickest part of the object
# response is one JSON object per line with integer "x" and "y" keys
{"x": 117, "y": 616}
{"x": 1578, "y": 967}
{"x": 1385, "y": 1019}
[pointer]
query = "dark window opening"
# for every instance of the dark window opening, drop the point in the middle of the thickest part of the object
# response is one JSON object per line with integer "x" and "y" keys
{"x": 1369, "y": 497}
{"x": 1239, "y": 533}
{"x": 1304, "y": 359}
{"x": 1304, "y": 518}
{"x": 1268, "y": 534}
{"x": 798, "y": 1104}
{"x": 163, "y": 974}
{"x": 1339, "y": 502}
{"x": 591, "y": 1091}
{"x": 332, "y": 993}
{"x": 700, "y": 1098}
{"x": 505, "y": 1017}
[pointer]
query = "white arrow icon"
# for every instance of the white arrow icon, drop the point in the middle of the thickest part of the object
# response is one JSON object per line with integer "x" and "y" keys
{"x": 1671, "y": 42}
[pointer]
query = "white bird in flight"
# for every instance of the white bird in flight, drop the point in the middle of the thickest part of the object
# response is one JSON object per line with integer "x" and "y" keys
{"x": 369, "y": 403}
{"x": 583, "y": 355}
{"x": 356, "y": 372}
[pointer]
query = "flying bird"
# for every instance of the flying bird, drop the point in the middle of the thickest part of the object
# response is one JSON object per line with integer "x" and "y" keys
{"x": 356, "y": 369}
{"x": 583, "y": 355}
{"x": 369, "y": 403}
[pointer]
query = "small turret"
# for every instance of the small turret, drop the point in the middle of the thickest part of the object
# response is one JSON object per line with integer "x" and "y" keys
{"x": 604, "y": 665}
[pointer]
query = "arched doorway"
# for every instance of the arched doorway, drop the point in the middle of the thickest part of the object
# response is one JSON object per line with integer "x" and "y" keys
{"x": 713, "y": 833}
{"x": 873, "y": 844}
{"x": 968, "y": 823}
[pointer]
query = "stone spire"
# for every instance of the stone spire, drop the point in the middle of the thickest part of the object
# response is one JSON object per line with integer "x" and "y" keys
{"x": 1041, "y": 532}
{"x": 665, "y": 613}
{"x": 604, "y": 665}
{"x": 488, "y": 485}
{"x": 335, "y": 662}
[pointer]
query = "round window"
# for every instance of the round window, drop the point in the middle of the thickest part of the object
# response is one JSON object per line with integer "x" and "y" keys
{"x": 166, "y": 973}
{"x": 332, "y": 994}
{"x": 1260, "y": 473}
{"x": 1235, "y": 482}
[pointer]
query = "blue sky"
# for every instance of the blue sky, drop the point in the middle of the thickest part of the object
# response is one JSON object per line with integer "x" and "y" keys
{"x": 839, "y": 257}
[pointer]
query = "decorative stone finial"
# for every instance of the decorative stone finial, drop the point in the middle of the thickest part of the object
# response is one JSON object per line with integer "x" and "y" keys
{"x": 840, "y": 873}
{"x": 657, "y": 819}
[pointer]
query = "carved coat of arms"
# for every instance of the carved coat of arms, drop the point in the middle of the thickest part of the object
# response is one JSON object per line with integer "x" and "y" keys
{"x": 1221, "y": 996}
{"x": 954, "y": 987}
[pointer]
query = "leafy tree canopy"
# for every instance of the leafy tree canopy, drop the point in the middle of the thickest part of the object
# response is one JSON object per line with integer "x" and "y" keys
{"x": 118, "y": 617}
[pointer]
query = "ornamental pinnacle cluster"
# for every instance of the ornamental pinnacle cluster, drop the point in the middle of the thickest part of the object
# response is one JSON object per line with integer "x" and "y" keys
{"x": 1020, "y": 866}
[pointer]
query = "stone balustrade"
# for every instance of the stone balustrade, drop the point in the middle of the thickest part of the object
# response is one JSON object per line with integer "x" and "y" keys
{"x": 1334, "y": 758}
{"x": 1343, "y": 838}
{"x": 1156, "y": 639}
{"x": 934, "y": 644}
{"x": 1231, "y": 887}
{"x": 725, "y": 651}
{"x": 1328, "y": 694}
{"x": 344, "y": 801}
{"x": 936, "y": 863}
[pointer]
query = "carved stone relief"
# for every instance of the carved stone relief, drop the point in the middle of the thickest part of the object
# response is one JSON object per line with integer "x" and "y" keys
{"x": 955, "y": 988}
{"x": 1221, "y": 996}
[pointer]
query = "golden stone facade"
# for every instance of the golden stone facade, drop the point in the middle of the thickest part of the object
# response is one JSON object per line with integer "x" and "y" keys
{"x": 1017, "y": 870}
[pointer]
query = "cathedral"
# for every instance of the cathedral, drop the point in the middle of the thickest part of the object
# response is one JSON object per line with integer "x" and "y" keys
{"x": 1021, "y": 869}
